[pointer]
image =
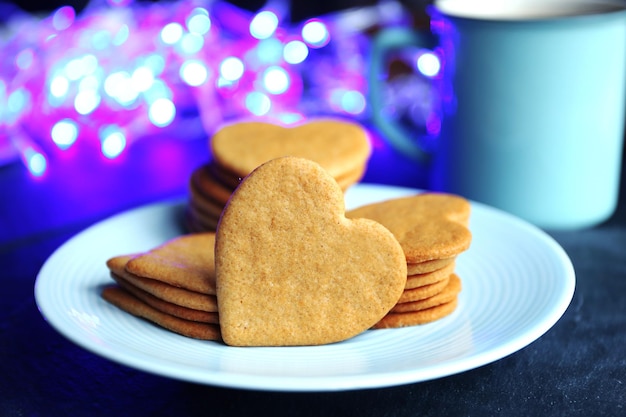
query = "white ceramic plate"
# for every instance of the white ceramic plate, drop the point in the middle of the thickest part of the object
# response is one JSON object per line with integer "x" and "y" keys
{"x": 517, "y": 282}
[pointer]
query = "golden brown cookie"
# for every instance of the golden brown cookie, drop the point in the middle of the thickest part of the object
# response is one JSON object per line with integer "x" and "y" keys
{"x": 186, "y": 261}
{"x": 429, "y": 226}
{"x": 127, "y": 302}
{"x": 419, "y": 280}
{"x": 165, "y": 306}
{"x": 204, "y": 182}
{"x": 446, "y": 295}
{"x": 339, "y": 146}
{"x": 429, "y": 266}
{"x": 423, "y": 292}
{"x": 292, "y": 269}
{"x": 161, "y": 290}
{"x": 208, "y": 221}
{"x": 414, "y": 318}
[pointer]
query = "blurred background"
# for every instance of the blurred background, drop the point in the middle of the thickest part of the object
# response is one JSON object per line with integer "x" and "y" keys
{"x": 108, "y": 104}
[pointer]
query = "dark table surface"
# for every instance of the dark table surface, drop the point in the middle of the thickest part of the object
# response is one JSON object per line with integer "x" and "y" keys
{"x": 577, "y": 368}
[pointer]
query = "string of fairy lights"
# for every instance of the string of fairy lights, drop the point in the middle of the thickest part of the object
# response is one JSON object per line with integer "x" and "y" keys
{"x": 120, "y": 70}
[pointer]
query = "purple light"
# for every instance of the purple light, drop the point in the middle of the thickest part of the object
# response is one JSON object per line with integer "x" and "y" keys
{"x": 141, "y": 67}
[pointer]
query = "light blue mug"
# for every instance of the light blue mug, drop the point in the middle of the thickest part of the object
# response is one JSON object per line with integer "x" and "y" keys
{"x": 532, "y": 105}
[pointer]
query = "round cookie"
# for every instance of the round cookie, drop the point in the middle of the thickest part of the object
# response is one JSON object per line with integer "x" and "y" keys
{"x": 185, "y": 261}
{"x": 127, "y": 302}
{"x": 423, "y": 292}
{"x": 428, "y": 266}
{"x": 414, "y": 318}
{"x": 165, "y": 306}
{"x": 203, "y": 182}
{"x": 419, "y": 280}
{"x": 446, "y": 295}
{"x": 161, "y": 290}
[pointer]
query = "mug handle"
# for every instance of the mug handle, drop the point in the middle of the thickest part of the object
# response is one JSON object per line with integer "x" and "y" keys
{"x": 384, "y": 41}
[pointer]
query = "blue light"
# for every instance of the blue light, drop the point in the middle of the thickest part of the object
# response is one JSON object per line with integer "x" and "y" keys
{"x": 18, "y": 100}
{"x": 269, "y": 50}
{"x": 35, "y": 162}
{"x": 258, "y": 103}
{"x": 64, "y": 133}
{"x": 295, "y": 52}
{"x": 263, "y": 25}
{"x": 191, "y": 43}
{"x": 122, "y": 35}
{"x": 155, "y": 62}
{"x": 353, "y": 102}
{"x": 199, "y": 21}
{"x": 24, "y": 59}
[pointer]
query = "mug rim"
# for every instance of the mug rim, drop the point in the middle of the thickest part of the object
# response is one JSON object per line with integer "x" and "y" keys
{"x": 556, "y": 11}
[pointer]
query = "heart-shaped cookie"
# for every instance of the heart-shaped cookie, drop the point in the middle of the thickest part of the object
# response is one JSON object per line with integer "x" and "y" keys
{"x": 340, "y": 147}
{"x": 292, "y": 270}
{"x": 429, "y": 226}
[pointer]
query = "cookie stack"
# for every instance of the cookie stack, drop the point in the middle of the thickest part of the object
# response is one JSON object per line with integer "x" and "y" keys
{"x": 432, "y": 229}
{"x": 342, "y": 148}
{"x": 172, "y": 285}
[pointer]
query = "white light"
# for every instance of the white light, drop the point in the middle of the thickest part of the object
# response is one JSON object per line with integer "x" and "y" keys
{"x": 64, "y": 133}
{"x": 194, "y": 73}
{"x": 162, "y": 112}
{"x": 155, "y": 62}
{"x": 112, "y": 142}
{"x": 191, "y": 43}
{"x": 276, "y": 80}
{"x": 171, "y": 33}
{"x": 89, "y": 83}
{"x": 159, "y": 89}
{"x": 59, "y": 86}
{"x": 86, "y": 101}
{"x": 258, "y": 103}
{"x": 231, "y": 68}
{"x": 295, "y": 52}
{"x": 263, "y": 25}
{"x": 36, "y": 163}
{"x": 142, "y": 79}
{"x": 199, "y": 22}
{"x": 428, "y": 64}
{"x": 120, "y": 86}
{"x": 315, "y": 33}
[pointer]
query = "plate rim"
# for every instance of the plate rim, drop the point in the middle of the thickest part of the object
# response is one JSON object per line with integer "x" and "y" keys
{"x": 338, "y": 383}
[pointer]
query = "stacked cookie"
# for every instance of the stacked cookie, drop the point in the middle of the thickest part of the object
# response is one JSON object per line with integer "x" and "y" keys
{"x": 433, "y": 230}
{"x": 342, "y": 148}
{"x": 172, "y": 285}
